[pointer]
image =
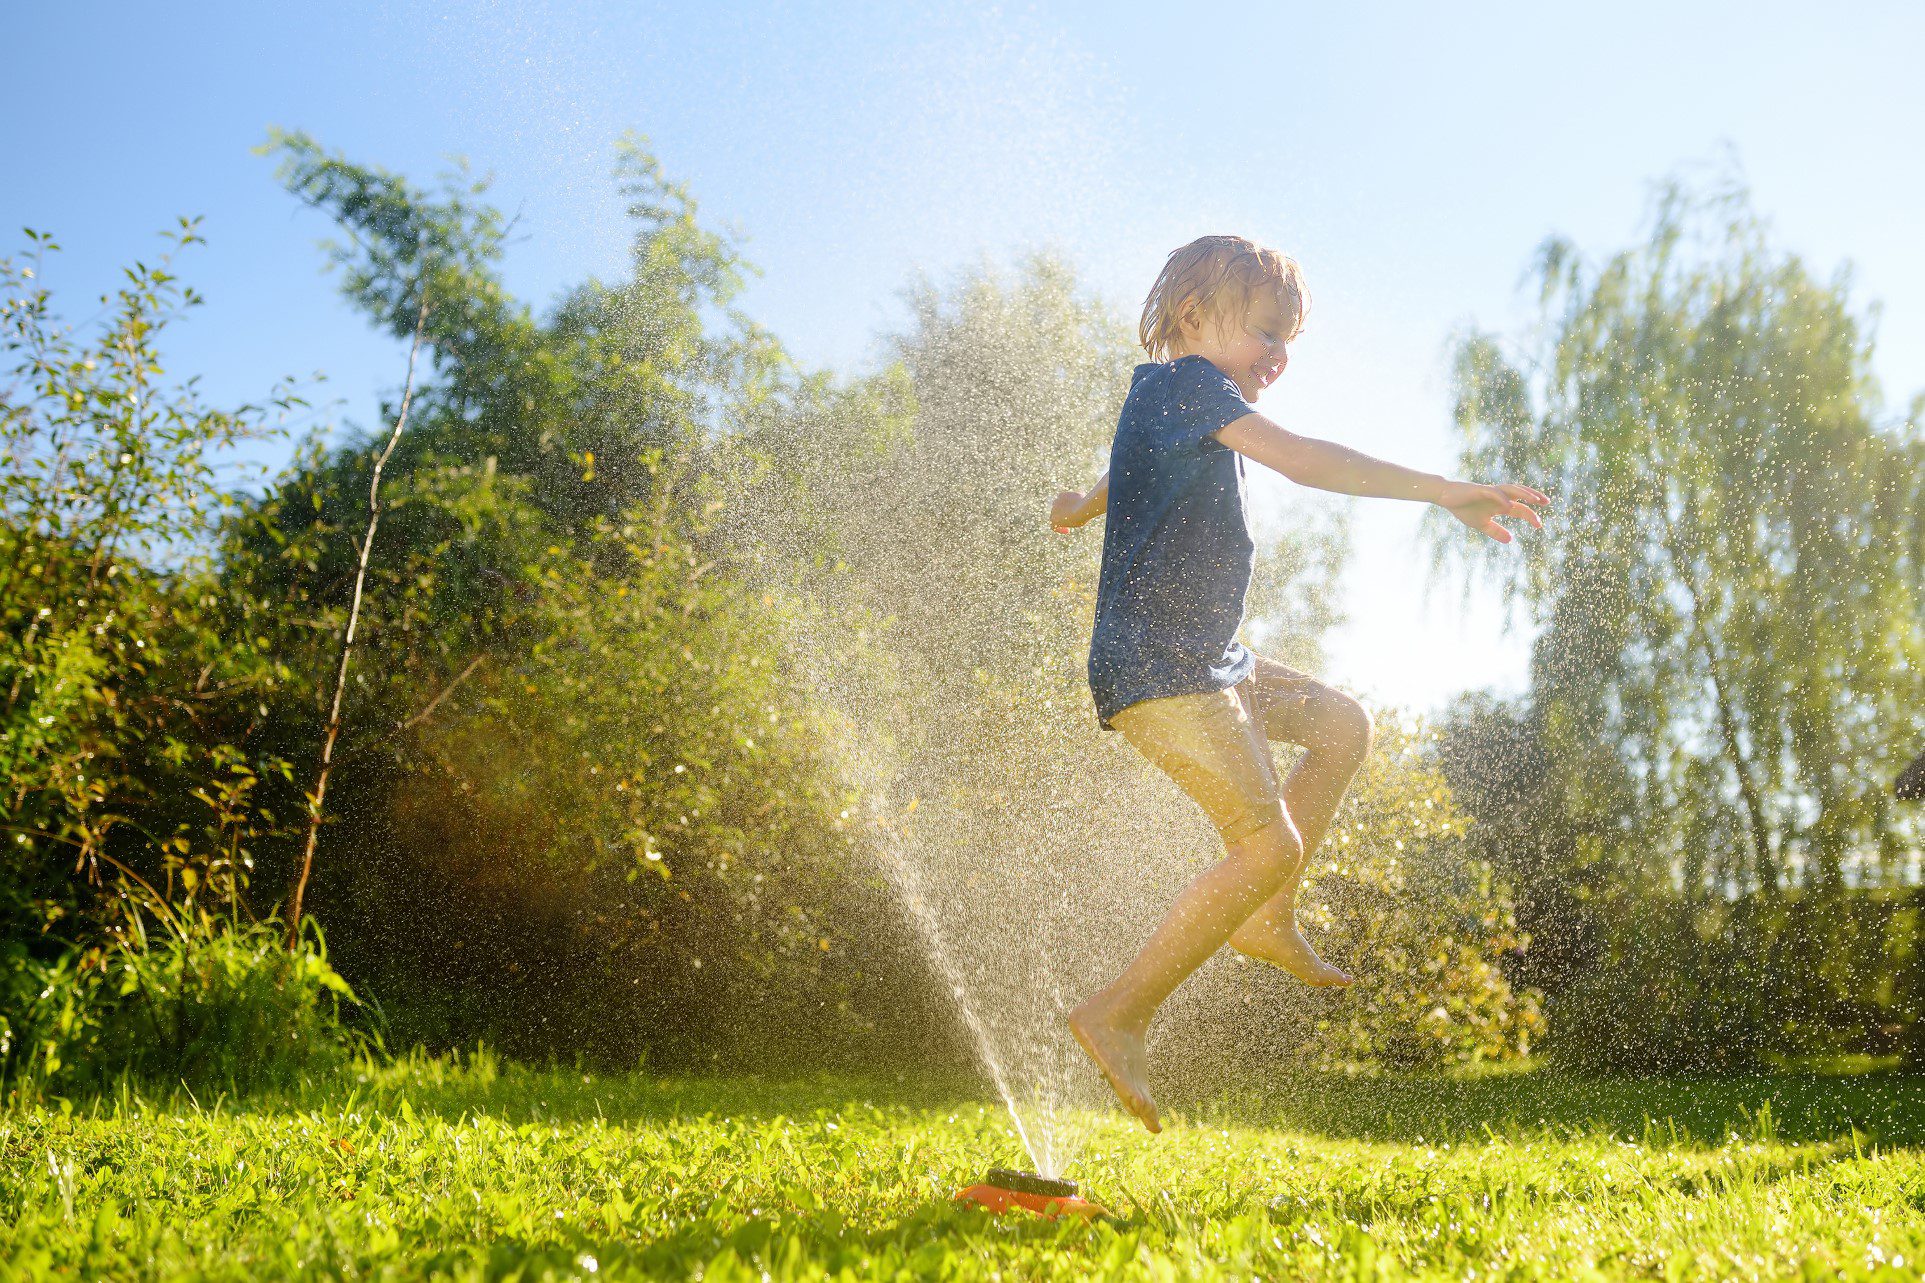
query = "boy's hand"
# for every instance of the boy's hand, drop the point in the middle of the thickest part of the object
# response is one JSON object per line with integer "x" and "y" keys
{"x": 1479, "y": 507}
{"x": 1068, "y": 510}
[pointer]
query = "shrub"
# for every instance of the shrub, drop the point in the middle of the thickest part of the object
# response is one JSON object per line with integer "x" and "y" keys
{"x": 213, "y": 1004}
{"x": 1428, "y": 927}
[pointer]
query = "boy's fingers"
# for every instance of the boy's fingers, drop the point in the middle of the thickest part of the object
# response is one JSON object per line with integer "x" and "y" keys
{"x": 1511, "y": 490}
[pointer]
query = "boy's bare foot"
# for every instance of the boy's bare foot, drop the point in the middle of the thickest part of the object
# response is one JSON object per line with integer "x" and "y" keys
{"x": 1285, "y": 947}
{"x": 1118, "y": 1051}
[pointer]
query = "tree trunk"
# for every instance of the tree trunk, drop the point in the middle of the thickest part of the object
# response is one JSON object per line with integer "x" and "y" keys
{"x": 1911, "y": 785}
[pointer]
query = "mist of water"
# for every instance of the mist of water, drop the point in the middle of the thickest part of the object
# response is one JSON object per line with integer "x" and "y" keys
{"x": 932, "y": 614}
{"x": 961, "y": 886}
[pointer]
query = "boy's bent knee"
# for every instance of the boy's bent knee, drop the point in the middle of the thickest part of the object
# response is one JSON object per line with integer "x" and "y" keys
{"x": 1351, "y": 728}
{"x": 1255, "y": 820}
{"x": 1275, "y": 847}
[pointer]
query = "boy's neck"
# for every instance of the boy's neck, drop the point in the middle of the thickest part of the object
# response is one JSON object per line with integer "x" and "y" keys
{"x": 1178, "y": 352}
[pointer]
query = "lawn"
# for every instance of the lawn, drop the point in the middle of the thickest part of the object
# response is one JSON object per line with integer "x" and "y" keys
{"x": 474, "y": 1171}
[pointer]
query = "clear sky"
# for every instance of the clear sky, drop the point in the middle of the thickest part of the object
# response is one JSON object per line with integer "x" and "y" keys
{"x": 1410, "y": 155}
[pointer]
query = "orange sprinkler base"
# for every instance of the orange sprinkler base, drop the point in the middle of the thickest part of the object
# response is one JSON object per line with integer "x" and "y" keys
{"x": 1006, "y": 1191}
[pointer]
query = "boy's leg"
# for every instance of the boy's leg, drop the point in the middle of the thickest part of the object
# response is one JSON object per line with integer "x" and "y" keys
{"x": 1211, "y": 747}
{"x": 1335, "y": 732}
{"x": 1111, "y": 1025}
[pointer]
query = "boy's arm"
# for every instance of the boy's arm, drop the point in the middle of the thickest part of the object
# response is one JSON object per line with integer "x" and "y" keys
{"x": 1071, "y": 509}
{"x": 1325, "y": 465}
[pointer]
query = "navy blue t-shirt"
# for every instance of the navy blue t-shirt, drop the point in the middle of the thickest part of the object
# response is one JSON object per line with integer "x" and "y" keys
{"x": 1176, "y": 551}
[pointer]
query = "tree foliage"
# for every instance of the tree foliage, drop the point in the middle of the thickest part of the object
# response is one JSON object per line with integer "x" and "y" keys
{"x": 1431, "y": 925}
{"x": 124, "y": 738}
{"x": 576, "y": 780}
{"x": 704, "y": 708}
{"x": 1727, "y": 667}
{"x": 136, "y": 781}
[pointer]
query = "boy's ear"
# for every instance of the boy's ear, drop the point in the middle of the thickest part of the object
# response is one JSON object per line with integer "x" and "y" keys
{"x": 1189, "y": 317}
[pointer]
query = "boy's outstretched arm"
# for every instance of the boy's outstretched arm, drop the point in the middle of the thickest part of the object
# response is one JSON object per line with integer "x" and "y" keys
{"x": 1325, "y": 465}
{"x": 1071, "y": 509}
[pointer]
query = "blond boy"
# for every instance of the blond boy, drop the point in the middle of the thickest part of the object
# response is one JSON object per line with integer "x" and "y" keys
{"x": 1166, "y": 668}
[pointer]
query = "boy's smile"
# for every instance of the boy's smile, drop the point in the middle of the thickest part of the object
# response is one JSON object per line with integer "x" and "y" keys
{"x": 1271, "y": 370}
{"x": 1254, "y": 352}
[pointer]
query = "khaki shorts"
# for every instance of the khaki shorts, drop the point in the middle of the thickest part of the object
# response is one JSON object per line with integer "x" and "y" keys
{"x": 1215, "y": 744}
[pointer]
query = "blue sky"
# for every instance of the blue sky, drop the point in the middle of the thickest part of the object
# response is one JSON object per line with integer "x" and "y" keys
{"x": 1411, "y": 156}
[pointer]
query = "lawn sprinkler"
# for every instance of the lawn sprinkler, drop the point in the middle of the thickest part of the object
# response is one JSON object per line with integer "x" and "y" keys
{"x": 1003, "y": 1190}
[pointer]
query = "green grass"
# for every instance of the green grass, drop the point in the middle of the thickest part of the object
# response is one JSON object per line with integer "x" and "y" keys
{"x": 431, "y": 1170}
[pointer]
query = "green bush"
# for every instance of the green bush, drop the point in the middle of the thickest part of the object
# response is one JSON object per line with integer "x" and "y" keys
{"x": 129, "y": 696}
{"x": 1432, "y": 929}
{"x": 213, "y": 1004}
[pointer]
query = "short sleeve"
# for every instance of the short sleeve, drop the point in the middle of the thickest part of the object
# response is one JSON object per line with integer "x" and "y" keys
{"x": 1203, "y": 399}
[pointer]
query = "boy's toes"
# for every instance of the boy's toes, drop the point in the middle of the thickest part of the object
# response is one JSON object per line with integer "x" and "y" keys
{"x": 1334, "y": 978}
{"x": 1136, "y": 1099}
{"x": 1318, "y": 974}
{"x": 1288, "y": 949}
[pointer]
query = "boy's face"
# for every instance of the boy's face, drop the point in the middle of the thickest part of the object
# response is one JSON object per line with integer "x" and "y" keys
{"x": 1251, "y": 349}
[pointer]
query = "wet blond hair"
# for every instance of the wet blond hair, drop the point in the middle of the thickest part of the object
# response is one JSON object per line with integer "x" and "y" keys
{"x": 1219, "y": 275}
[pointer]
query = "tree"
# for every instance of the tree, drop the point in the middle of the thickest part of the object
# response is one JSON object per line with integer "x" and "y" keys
{"x": 580, "y": 785}
{"x": 1911, "y": 782}
{"x": 1492, "y": 756}
{"x": 1727, "y": 604}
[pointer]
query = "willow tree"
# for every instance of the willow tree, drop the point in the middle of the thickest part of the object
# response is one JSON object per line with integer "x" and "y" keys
{"x": 1728, "y": 663}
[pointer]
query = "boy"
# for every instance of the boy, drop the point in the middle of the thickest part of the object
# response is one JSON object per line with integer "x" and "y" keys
{"x": 1165, "y": 665}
